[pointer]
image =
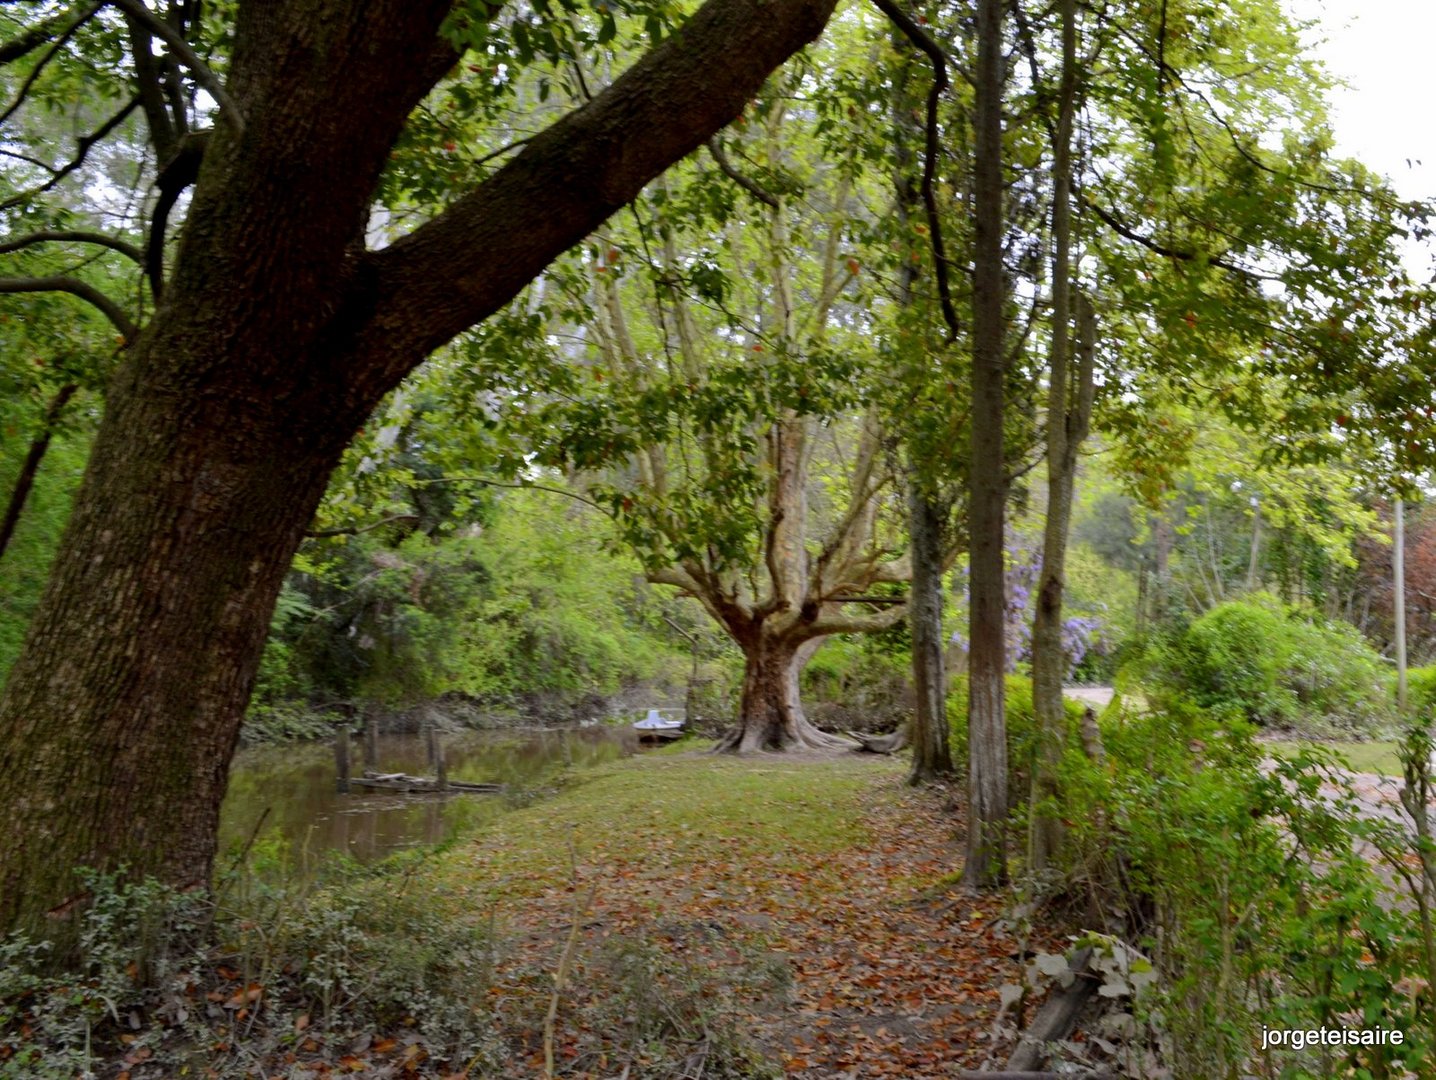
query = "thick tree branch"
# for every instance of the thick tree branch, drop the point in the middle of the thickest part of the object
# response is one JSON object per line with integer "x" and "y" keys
{"x": 75, "y": 236}
{"x": 445, "y": 277}
{"x": 75, "y": 287}
{"x": 187, "y": 56}
{"x": 837, "y": 623}
{"x": 178, "y": 173}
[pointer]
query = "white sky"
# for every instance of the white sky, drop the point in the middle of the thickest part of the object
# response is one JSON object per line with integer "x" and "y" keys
{"x": 1386, "y": 51}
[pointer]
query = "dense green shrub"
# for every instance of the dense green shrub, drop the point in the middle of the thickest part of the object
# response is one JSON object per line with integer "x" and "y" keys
{"x": 1246, "y": 886}
{"x": 1276, "y": 664}
{"x": 1421, "y": 690}
{"x": 859, "y": 682}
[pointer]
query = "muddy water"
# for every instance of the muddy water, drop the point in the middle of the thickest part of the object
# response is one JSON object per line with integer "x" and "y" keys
{"x": 289, "y": 795}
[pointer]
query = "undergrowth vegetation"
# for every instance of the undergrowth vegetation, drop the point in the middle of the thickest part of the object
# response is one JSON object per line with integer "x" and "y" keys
{"x": 1274, "y": 664}
{"x": 1262, "y": 896}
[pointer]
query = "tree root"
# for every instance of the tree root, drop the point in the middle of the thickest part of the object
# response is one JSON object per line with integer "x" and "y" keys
{"x": 890, "y": 743}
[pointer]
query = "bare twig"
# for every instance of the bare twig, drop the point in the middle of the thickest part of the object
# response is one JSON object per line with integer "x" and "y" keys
{"x": 1123, "y": 229}
{"x": 83, "y": 147}
{"x": 560, "y": 978}
{"x": 40, "y": 64}
{"x": 187, "y": 56}
{"x": 355, "y": 530}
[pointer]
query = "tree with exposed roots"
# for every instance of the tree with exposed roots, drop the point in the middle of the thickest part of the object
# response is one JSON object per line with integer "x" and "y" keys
{"x": 273, "y": 332}
{"x": 713, "y": 406}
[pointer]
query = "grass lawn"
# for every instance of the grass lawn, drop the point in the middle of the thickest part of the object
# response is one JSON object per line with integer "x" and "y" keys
{"x": 778, "y": 914}
{"x": 1368, "y": 757}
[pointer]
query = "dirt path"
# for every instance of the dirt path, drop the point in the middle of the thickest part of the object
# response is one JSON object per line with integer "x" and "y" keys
{"x": 867, "y": 963}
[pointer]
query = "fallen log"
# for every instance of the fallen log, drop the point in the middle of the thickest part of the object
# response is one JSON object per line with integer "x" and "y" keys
{"x": 1055, "y": 1019}
{"x": 405, "y": 784}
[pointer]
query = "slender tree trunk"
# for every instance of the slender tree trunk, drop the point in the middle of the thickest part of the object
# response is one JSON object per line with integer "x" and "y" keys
{"x": 986, "y": 864}
{"x": 771, "y": 713}
{"x": 931, "y": 757}
{"x": 1254, "y": 563}
{"x": 1049, "y": 658}
{"x": 1160, "y": 588}
{"x": 31, "y": 465}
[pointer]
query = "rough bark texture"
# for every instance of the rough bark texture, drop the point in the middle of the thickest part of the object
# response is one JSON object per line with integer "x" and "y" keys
{"x": 277, "y": 335}
{"x": 771, "y": 709}
{"x": 1048, "y": 657}
{"x": 986, "y": 864}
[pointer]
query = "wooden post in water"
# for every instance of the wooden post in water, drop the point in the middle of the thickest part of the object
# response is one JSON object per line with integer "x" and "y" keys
{"x": 341, "y": 757}
{"x": 371, "y": 740}
{"x": 441, "y": 767}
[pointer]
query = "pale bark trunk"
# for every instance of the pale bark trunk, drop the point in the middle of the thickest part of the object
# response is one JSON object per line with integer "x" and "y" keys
{"x": 986, "y": 864}
{"x": 1254, "y": 562}
{"x": 771, "y": 713}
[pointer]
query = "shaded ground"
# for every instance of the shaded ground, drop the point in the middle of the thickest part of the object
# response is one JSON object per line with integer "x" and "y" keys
{"x": 847, "y": 952}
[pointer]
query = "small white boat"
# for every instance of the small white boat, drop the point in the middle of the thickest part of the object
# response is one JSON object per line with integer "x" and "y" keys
{"x": 655, "y": 727}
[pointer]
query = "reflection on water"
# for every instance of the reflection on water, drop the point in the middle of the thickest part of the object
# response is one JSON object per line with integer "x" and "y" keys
{"x": 292, "y": 791}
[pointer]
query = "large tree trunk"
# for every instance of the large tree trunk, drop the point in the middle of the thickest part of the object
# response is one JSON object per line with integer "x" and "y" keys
{"x": 276, "y": 337}
{"x": 122, "y": 713}
{"x": 770, "y": 714}
{"x": 986, "y": 864}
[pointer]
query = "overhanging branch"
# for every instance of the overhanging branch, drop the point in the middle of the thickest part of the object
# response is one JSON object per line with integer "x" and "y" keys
{"x": 75, "y": 236}
{"x": 75, "y": 287}
{"x": 443, "y": 278}
{"x": 940, "y": 84}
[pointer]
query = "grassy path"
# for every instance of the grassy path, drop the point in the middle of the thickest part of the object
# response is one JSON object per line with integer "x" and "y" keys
{"x": 766, "y": 916}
